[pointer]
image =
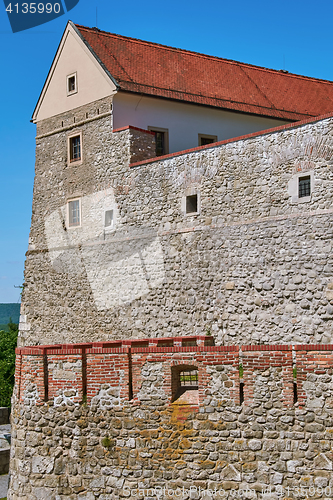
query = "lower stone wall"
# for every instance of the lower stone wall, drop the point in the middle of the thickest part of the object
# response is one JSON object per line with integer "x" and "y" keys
{"x": 81, "y": 452}
{"x": 103, "y": 422}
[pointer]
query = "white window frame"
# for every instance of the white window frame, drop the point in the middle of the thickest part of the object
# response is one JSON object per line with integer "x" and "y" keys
{"x": 69, "y": 137}
{"x": 293, "y": 187}
{"x": 109, "y": 228}
{"x": 71, "y": 92}
{"x": 74, "y": 226}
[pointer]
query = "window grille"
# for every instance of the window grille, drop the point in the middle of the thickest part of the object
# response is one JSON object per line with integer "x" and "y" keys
{"x": 188, "y": 378}
{"x": 304, "y": 186}
{"x": 160, "y": 140}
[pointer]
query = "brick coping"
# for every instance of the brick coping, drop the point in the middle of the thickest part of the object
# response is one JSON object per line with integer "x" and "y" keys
{"x": 153, "y": 345}
{"x": 131, "y": 127}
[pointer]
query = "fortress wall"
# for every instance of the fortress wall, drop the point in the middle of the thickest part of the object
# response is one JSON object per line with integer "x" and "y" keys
{"x": 105, "y": 376}
{"x": 268, "y": 375}
{"x": 64, "y": 372}
{"x": 110, "y": 447}
{"x": 314, "y": 375}
{"x": 29, "y": 377}
{"x": 253, "y": 266}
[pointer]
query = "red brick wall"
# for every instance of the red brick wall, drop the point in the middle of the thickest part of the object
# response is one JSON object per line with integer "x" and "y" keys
{"x": 257, "y": 360}
{"x": 47, "y": 372}
{"x": 109, "y": 367}
{"x": 29, "y": 375}
{"x": 65, "y": 375}
{"x": 315, "y": 359}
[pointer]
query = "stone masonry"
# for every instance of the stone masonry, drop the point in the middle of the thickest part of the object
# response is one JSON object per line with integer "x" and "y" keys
{"x": 85, "y": 436}
{"x": 254, "y": 265}
{"x": 241, "y": 291}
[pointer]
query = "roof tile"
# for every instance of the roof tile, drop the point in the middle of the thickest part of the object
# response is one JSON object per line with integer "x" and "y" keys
{"x": 157, "y": 70}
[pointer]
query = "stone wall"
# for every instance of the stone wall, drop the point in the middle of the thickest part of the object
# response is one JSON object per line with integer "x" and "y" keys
{"x": 142, "y": 372}
{"x": 254, "y": 265}
{"x": 271, "y": 445}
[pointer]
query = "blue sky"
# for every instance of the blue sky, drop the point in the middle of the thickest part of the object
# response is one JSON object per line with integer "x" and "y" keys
{"x": 293, "y": 35}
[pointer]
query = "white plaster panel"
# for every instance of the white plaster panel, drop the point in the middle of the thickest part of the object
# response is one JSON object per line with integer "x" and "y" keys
{"x": 92, "y": 81}
{"x": 184, "y": 121}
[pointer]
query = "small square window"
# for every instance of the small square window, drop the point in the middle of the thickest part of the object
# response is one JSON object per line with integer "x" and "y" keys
{"x": 192, "y": 204}
{"x": 108, "y": 219}
{"x": 75, "y": 148}
{"x": 74, "y": 218}
{"x": 207, "y": 139}
{"x": 304, "y": 186}
{"x": 71, "y": 84}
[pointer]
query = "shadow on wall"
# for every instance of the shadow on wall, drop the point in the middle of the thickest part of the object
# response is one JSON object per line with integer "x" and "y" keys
{"x": 120, "y": 266}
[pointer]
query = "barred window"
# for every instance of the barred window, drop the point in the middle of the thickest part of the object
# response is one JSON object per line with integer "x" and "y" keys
{"x": 304, "y": 186}
{"x": 188, "y": 378}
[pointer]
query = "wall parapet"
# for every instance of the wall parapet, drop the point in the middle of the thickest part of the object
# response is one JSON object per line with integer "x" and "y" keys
{"x": 139, "y": 371}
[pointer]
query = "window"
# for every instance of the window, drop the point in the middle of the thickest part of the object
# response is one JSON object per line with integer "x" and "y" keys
{"x": 301, "y": 186}
{"x": 161, "y": 139}
{"x": 74, "y": 216}
{"x": 71, "y": 84}
{"x": 108, "y": 223}
{"x": 184, "y": 384}
{"x": 188, "y": 378}
{"x": 192, "y": 204}
{"x": 74, "y": 148}
{"x": 304, "y": 186}
{"x": 206, "y": 139}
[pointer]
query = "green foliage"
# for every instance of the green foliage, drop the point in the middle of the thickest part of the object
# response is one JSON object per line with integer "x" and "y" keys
{"x": 295, "y": 372}
{"x": 8, "y": 342}
{"x": 9, "y": 312}
{"x": 240, "y": 371}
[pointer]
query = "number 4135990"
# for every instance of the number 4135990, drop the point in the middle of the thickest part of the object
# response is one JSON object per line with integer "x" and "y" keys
{"x": 33, "y": 8}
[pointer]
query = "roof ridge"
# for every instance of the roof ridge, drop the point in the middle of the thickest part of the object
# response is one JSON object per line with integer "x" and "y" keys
{"x": 200, "y": 54}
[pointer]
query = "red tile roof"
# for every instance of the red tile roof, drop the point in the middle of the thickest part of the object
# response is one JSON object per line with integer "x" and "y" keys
{"x": 157, "y": 70}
